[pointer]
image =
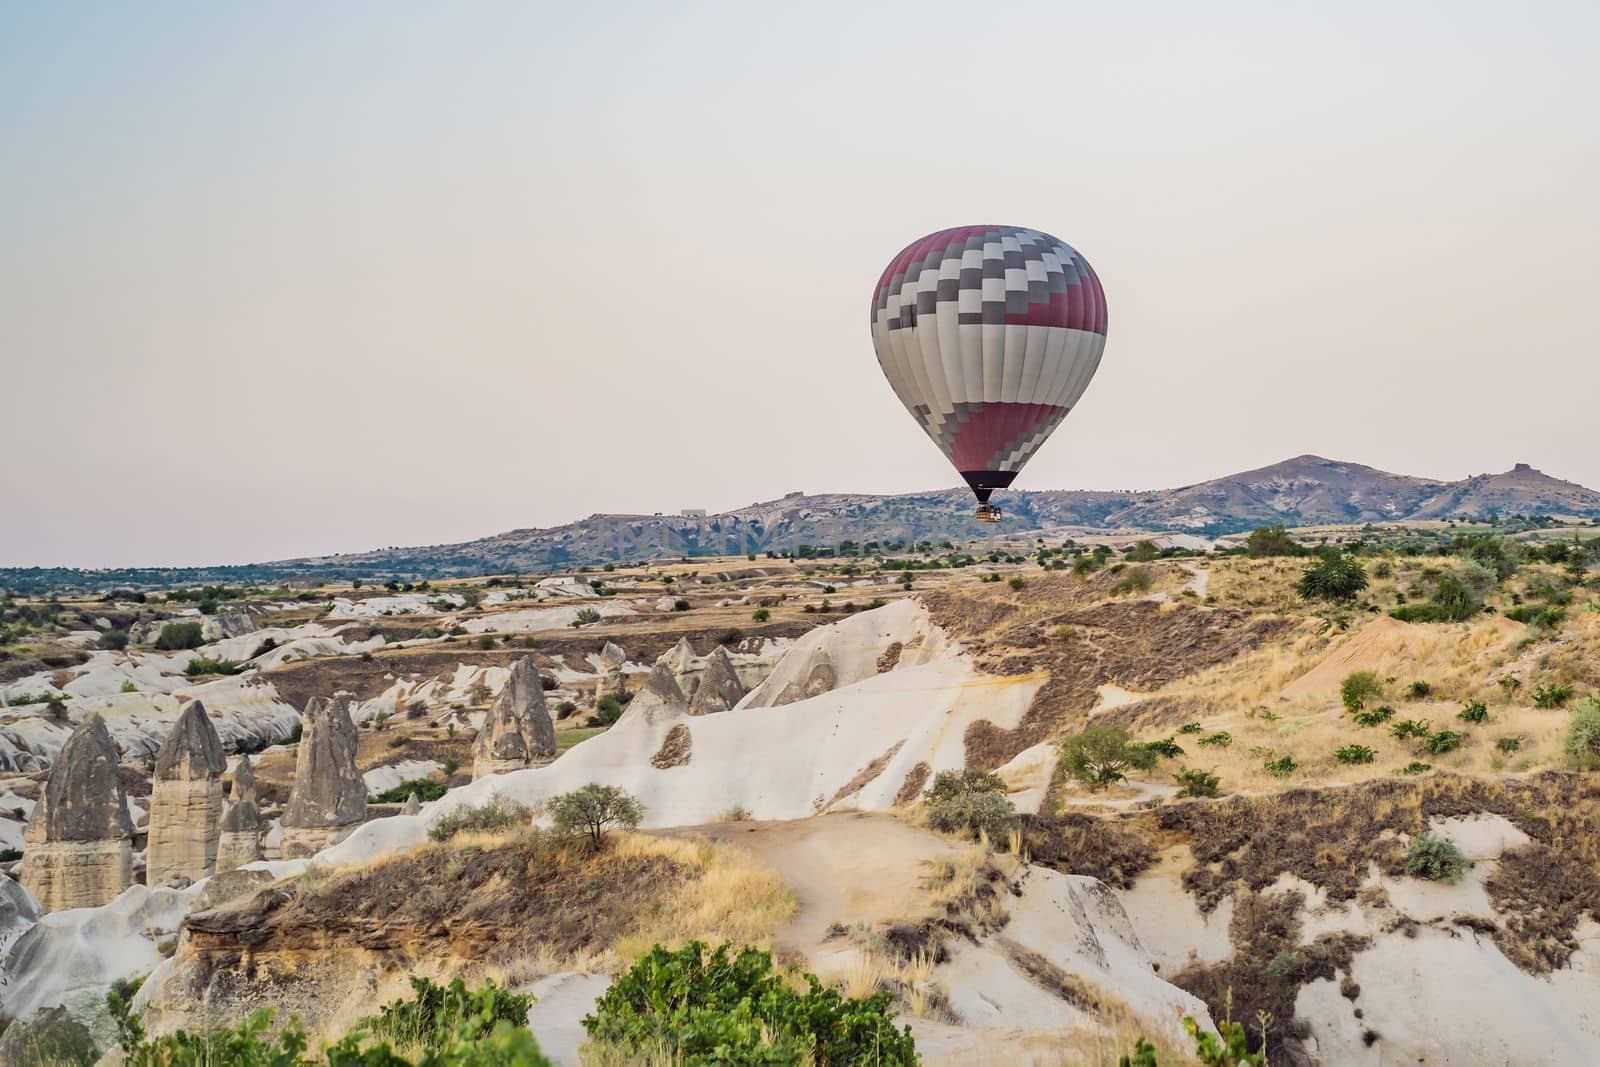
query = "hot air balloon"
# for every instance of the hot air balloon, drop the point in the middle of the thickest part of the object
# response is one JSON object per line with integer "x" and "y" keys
{"x": 988, "y": 335}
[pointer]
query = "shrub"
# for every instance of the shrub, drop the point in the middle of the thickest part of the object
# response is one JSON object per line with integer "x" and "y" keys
{"x": 1409, "y": 728}
{"x": 425, "y": 788}
{"x": 761, "y": 615}
{"x": 607, "y": 710}
{"x": 1166, "y": 747}
{"x": 1436, "y": 859}
{"x": 680, "y": 605}
{"x": 970, "y": 802}
{"x": 128, "y": 686}
{"x": 1191, "y": 728}
{"x": 1374, "y": 717}
{"x": 114, "y": 639}
{"x": 1100, "y": 755}
{"x": 1582, "y": 743}
{"x": 1358, "y": 687}
{"x": 1281, "y": 767}
{"x": 1553, "y": 695}
{"x": 267, "y": 645}
{"x": 177, "y": 636}
{"x": 586, "y": 616}
{"x": 1220, "y": 739}
{"x": 441, "y": 1016}
{"x": 1473, "y": 711}
{"x": 1437, "y": 744}
{"x": 1137, "y": 580}
{"x": 495, "y": 815}
{"x": 1509, "y": 744}
{"x": 1419, "y": 691}
{"x": 1336, "y": 577}
{"x": 1416, "y": 767}
{"x": 1354, "y": 754}
{"x": 200, "y": 666}
{"x": 486, "y": 642}
{"x": 1271, "y": 541}
{"x": 1193, "y": 782}
{"x": 594, "y": 809}
{"x": 1015, "y": 582}
{"x": 697, "y": 1005}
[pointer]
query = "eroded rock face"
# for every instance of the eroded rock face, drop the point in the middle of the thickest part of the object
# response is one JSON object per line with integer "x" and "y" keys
{"x": 329, "y": 799}
{"x": 186, "y": 802}
{"x": 412, "y": 806}
{"x": 659, "y": 696}
{"x": 78, "y": 843}
{"x": 720, "y": 688}
{"x": 612, "y": 660}
{"x": 228, "y": 624}
{"x": 239, "y": 841}
{"x": 818, "y": 677}
{"x": 686, "y": 667}
{"x": 517, "y": 732}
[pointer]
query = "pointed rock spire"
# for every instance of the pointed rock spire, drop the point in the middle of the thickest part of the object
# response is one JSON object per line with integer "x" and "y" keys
{"x": 517, "y": 732}
{"x": 720, "y": 688}
{"x": 186, "y": 806}
{"x": 659, "y": 696}
{"x": 239, "y": 841}
{"x": 329, "y": 799}
{"x": 685, "y": 666}
{"x": 413, "y": 804}
{"x": 612, "y": 660}
{"x": 78, "y": 839}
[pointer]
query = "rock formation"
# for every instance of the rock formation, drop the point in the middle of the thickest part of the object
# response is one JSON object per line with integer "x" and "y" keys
{"x": 241, "y": 826}
{"x": 329, "y": 799}
{"x": 612, "y": 660}
{"x": 686, "y": 667}
{"x": 77, "y": 848}
{"x": 186, "y": 804}
{"x": 720, "y": 688}
{"x": 517, "y": 732}
{"x": 659, "y": 696}
{"x": 413, "y": 804}
{"x": 228, "y": 624}
{"x": 817, "y": 677}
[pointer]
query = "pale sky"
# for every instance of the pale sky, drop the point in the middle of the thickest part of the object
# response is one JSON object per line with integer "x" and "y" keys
{"x": 287, "y": 279}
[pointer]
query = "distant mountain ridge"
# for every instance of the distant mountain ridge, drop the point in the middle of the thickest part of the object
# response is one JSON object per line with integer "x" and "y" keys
{"x": 1302, "y": 491}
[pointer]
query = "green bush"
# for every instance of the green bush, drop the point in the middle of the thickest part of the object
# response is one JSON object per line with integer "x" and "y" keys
{"x": 1552, "y": 695}
{"x": 680, "y": 605}
{"x": 1136, "y": 580}
{"x": 1409, "y": 728}
{"x": 441, "y": 1016}
{"x": 1354, "y": 754}
{"x": 1101, "y": 755}
{"x": 1281, "y": 767}
{"x": 697, "y": 1005}
{"x": 425, "y": 788}
{"x": 594, "y": 809}
{"x": 1220, "y": 739}
{"x": 1271, "y": 541}
{"x": 1416, "y": 767}
{"x": 971, "y": 802}
{"x": 1335, "y": 577}
{"x": 1473, "y": 711}
{"x": 1015, "y": 582}
{"x": 586, "y": 616}
{"x": 1374, "y": 717}
{"x": 1191, "y": 728}
{"x": 1436, "y": 859}
{"x": 1437, "y": 744}
{"x": 607, "y": 710}
{"x": 1582, "y": 743}
{"x": 200, "y": 666}
{"x": 177, "y": 636}
{"x": 1166, "y": 747}
{"x": 1193, "y": 782}
{"x": 761, "y": 615}
{"x": 1359, "y": 687}
{"x": 114, "y": 639}
{"x": 494, "y": 815}
{"x": 1419, "y": 691}
{"x": 1509, "y": 744}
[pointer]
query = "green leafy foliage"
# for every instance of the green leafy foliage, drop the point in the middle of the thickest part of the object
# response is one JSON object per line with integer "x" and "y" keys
{"x": 1220, "y": 739}
{"x": 1228, "y": 1047}
{"x": 177, "y": 636}
{"x": 425, "y": 788}
{"x": 1509, "y": 744}
{"x": 1582, "y": 743}
{"x": 495, "y": 815}
{"x": 1374, "y": 716}
{"x": 1441, "y": 742}
{"x": 1436, "y": 859}
{"x": 1271, "y": 541}
{"x": 1167, "y": 748}
{"x": 1416, "y": 767}
{"x": 201, "y": 666}
{"x": 440, "y": 1016}
{"x": 1191, "y": 728}
{"x": 1473, "y": 711}
{"x": 1194, "y": 782}
{"x": 1335, "y": 577}
{"x": 1281, "y": 767}
{"x": 1552, "y": 695}
{"x": 1101, "y": 755}
{"x": 607, "y": 710}
{"x": 1354, "y": 754}
{"x": 1406, "y": 729}
{"x": 594, "y": 809}
{"x": 970, "y": 802}
{"x": 698, "y": 1005}
{"x": 1419, "y": 691}
{"x": 1359, "y": 687}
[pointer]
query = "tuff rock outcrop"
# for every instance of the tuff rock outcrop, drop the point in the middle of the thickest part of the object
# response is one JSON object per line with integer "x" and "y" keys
{"x": 329, "y": 799}
{"x": 412, "y": 806}
{"x": 186, "y": 800}
{"x": 612, "y": 660}
{"x": 686, "y": 667}
{"x": 77, "y": 847}
{"x": 227, "y": 624}
{"x": 240, "y": 841}
{"x": 817, "y": 678}
{"x": 517, "y": 732}
{"x": 659, "y": 696}
{"x": 720, "y": 688}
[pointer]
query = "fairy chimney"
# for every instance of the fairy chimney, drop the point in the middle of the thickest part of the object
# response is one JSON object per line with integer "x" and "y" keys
{"x": 720, "y": 688}
{"x": 240, "y": 841}
{"x": 186, "y": 803}
{"x": 517, "y": 732}
{"x": 78, "y": 850}
{"x": 329, "y": 799}
{"x": 660, "y": 696}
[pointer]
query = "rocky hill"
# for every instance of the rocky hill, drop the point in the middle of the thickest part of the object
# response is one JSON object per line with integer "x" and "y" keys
{"x": 1303, "y": 491}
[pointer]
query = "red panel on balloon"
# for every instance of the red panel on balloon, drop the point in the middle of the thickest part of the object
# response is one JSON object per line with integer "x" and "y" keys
{"x": 994, "y": 430}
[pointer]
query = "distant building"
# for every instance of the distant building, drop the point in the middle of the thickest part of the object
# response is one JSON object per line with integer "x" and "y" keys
{"x": 694, "y": 513}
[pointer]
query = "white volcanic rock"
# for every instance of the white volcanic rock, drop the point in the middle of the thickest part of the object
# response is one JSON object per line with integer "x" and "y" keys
{"x": 78, "y": 841}
{"x": 329, "y": 798}
{"x": 186, "y": 800}
{"x": 517, "y": 732}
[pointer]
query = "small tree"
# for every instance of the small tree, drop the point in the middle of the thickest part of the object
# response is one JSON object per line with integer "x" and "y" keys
{"x": 1335, "y": 577}
{"x": 1101, "y": 754}
{"x": 593, "y": 810}
{"x": 1582, "y": 743}
{"x": 1435, "y": 858}
{"x": 1359, "y": 687}
{"x": 970, "y": 802}
{"x": 1271, "y": 541}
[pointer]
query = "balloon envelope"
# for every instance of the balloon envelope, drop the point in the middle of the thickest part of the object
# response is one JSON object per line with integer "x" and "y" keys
{"x": 989, "y": 335}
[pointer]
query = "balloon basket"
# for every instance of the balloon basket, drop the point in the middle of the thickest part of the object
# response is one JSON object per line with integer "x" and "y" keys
{"x": 988, "y": 513}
